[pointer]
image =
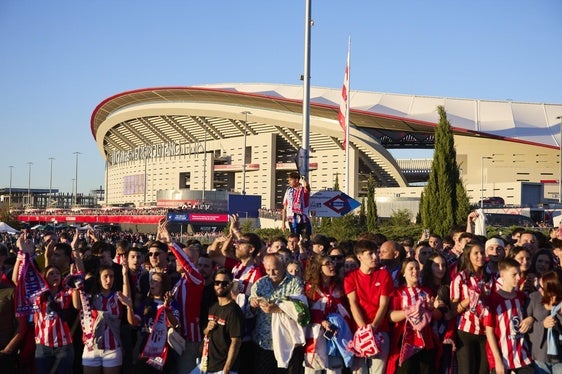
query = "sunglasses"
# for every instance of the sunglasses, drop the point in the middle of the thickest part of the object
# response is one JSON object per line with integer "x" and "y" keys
{"x": 153, "y": 254}
{"x": 328, "y": 263}
{"x": 221, "y": 283}
{"x": 336, "y": 257}
{"x": 241, "y": 241}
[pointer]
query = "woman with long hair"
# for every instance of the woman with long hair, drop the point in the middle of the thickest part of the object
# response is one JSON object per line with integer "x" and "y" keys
{"x": 101, "y": 320}
{"x": 324, "y": 291}
{"x": 414, "y": 344}
{"x": 469, "y": 290}
{"x": 437, "y": 278}
{"x": 523, "y": 256}
{"x": 545, "y": 313}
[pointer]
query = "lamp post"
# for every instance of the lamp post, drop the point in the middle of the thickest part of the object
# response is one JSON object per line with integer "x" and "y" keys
{"x": 560, "y": 161}
{"x": 482, "y": 158}
{"x": 76, "y": 180}
{"x": 50, "y": 183}
{"x": 10, "y": 190}
{"x": 29, "y": 184}
{"x": 245, "y": 113}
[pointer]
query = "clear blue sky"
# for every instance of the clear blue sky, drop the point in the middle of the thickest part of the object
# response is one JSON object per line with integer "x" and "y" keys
{"x": 61, "y": 58}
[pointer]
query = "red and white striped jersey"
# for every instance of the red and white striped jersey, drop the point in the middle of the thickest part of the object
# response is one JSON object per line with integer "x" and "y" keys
{"x": 50, "y": 329}
{"x": 245, "y": 275}
{"x": 462, "y": 286}
{"x": 106, "y": 338}
{"x": 504, "y": 316}
{"x": 188, "y": 293}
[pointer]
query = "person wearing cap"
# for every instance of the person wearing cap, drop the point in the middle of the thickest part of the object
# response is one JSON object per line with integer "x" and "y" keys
{"x": 495, "y": 252}
{"x": 295, "y": 206}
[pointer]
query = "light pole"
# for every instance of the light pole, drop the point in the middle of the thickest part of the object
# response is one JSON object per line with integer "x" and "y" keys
{"x": 560, "y": 161}
{"x": 245, "y": 113}
{"x": 482, "y": 158}
{"x": 10, "y": 190}
{"x": 50, "y": 183}
{"x": 76, "y": 180}
{"x": 29, "y": 184}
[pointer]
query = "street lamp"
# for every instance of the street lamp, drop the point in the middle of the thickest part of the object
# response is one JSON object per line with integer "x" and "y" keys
{"x": 76, "y": 180}
{"x": 10, "y": 190}
{"x": 29, "y": 184}
{"x": 50, "y": 183}
{"x": 245, "y": 113}
{"x": 482, "y": 179}
{"x": 560, "y": 160}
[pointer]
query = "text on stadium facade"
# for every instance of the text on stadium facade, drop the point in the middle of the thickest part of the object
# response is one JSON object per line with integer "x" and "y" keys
{"x": 154, "y": 151}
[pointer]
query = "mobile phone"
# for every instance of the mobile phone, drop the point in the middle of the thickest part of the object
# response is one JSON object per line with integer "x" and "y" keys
{"x": 329, "y": 334}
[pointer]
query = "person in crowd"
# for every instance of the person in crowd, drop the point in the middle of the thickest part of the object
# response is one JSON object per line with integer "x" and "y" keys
{"x": 338, "y": 256}
{"x": 121, "y": 249}
{"x": 437, "y": 278}
{"x": 390, "y": 258}
{"x": 541, "y": 262}
{"x": 320, "y": 244}
{"x": 544, "y": 311}
{"x": 557, "y": 251}
{"x": 469, "y": 289}
{"x": 295, "y": 206}
{"x": 60, "y": 255}
{"x": 267, "y": 295}
{"x": 422, "y": 251}
{"x": 350, "y": 263}
{"x": 368, "y": 290}
{"x": 101, "y": 321}
{"x": 506, "y": 325}
{"x": 144, "y": 317}
{"x": 12, "y": 328}
{"x": 528, "y": 239}
{"x": 294, "y": 245}
{"x": 225, "y": 327}
{"x": 294, "y": 267}
{"x": 435, "y": 242}
{"x": 106, "y": 252}
{"x": 413, "y": 307}
{"x": 495, "y": 252}
{"x": 276, "y": 244}
{"x": 324, "y": 291}
{"x": 206, "y": 268}
{"x": 523, "y": 256}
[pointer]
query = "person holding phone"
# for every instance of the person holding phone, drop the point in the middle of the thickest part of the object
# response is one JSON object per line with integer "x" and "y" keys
{"x": 324, "y": 291}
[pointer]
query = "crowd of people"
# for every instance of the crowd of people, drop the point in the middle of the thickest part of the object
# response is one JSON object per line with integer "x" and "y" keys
{"x": 248, "y": 305}
{"x": 297, "y": 303}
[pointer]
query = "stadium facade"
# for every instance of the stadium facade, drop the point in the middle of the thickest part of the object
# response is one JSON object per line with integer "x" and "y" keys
{"x": 172, "y": 143}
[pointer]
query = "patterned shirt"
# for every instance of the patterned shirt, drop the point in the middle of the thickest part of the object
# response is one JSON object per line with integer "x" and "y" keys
{"x": 264, "y": 287}
{"x": 50, "y": 329}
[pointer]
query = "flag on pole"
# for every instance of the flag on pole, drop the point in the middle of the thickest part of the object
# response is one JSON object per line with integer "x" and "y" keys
{"x": 343, "y": 113}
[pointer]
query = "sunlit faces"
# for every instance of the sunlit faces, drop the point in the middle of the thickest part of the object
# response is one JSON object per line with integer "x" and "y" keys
{"x": 435, "y": 242}
{"x": 524, "y": 259}
{"x": 156, "y": 284}
{"x": 275, "y": 246}
{"x": 476, "y": 256}
{"x": 328, "y": 268}
{"x": 274, "y": 268}
{"x": 387, "y": 251}
{"x": 438, "y": 267}
{"x": 292, "y": 243}
{"x": 107, "y": 277}
{"x": 53, "y": 277}
{"x": 293, "y": 182}
{"x": 367, "y": 259}
{"x": 411, "y": 273}
{"x": 222, "y": 285}
{"x": 511, "y": 277}
{"x": 495, "y": 252}
{"x": 294, "y": 269}
{"x": 157, "y": 257}
{"x": 243, "y": 249}
{"x": 529, "y": 241}
{"x": 134, "y": 260}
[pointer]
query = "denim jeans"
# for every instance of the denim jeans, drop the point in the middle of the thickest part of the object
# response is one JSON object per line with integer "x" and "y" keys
{"x": 59, "y": 360}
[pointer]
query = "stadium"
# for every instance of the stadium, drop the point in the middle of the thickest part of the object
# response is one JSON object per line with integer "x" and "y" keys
{"x": 187, "y": 145}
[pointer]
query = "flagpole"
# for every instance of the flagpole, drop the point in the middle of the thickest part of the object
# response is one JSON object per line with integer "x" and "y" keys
{"x": 347, "y": 166}
{"x": 306, "y": 90}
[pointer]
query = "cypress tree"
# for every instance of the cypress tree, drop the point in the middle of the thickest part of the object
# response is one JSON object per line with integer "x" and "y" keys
{"x": 444, "y": 202}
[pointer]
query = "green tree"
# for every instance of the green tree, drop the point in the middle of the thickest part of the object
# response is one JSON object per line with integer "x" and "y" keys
{"x": 362, "y": 214}
{"x": 372, "y": 218}
{"x": 444, "y": 200}
{"x": 337, "y": 182}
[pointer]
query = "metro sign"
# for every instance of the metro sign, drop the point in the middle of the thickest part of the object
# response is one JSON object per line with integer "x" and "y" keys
{"x": 332, "y": 204}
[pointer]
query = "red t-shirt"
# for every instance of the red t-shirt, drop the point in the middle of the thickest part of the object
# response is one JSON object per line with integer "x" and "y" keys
{"x": 368, "y": 289}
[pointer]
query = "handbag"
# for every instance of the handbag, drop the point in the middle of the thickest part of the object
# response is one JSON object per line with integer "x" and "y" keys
{"x": 176, "y": 341}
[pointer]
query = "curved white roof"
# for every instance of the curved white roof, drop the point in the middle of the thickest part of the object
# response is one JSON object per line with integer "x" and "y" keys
{"x": 534, "y": 123}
